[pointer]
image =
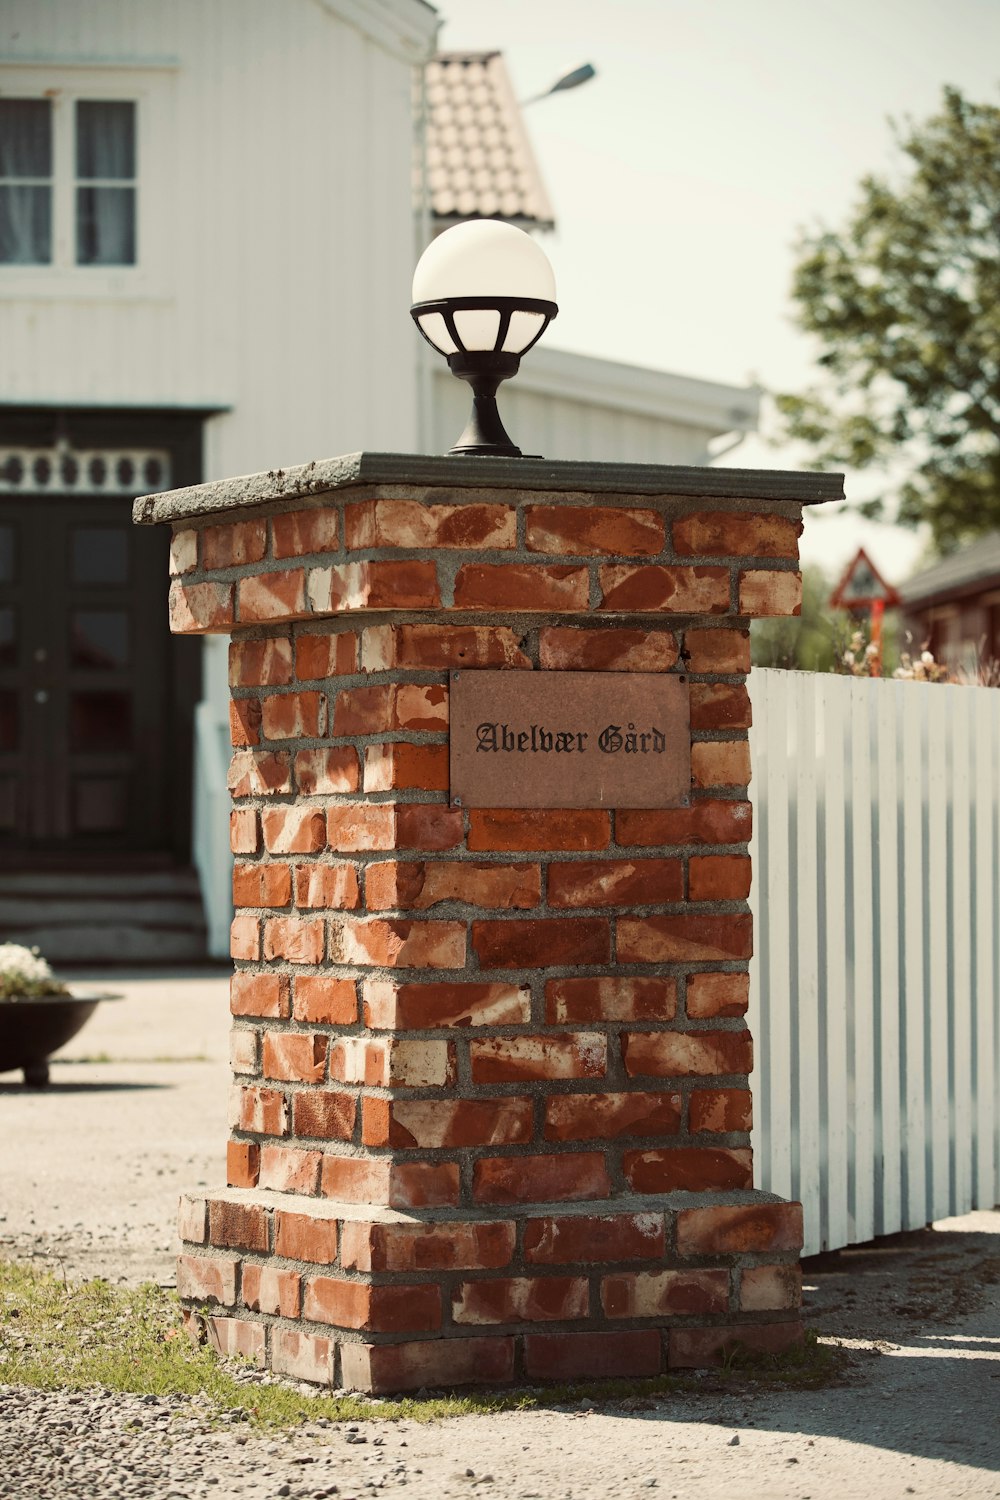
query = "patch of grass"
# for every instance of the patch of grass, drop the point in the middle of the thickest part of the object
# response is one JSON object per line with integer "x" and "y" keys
{"x": 107, "y": 1057}
{"x": 59, "y": 1336}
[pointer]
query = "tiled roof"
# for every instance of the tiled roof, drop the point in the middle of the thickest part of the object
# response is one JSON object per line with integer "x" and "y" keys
{"x": 978, "y": 563}
{"x": 479, "y": 160}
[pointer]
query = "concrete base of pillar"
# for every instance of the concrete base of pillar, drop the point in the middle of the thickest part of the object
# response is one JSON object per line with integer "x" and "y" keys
{"x": 381, "y": 1300}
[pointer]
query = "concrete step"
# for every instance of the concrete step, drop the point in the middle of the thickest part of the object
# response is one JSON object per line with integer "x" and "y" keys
{"x": 105, "y": 915}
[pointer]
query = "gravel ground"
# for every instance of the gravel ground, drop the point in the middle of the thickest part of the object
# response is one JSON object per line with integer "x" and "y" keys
{"x": 92, "y": 1187}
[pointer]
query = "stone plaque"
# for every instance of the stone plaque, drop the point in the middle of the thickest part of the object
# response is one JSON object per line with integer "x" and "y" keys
{"x": 570, "y": 739}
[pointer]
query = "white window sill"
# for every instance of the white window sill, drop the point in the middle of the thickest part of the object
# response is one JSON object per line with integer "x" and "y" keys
{"x": 80, "y": 283}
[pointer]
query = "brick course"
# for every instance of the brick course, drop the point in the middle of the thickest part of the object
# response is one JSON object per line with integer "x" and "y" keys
{"x": 478, "y": 1051}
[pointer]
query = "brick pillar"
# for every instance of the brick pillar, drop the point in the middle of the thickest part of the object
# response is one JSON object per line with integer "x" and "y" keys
{"x": 490, "y": 1104}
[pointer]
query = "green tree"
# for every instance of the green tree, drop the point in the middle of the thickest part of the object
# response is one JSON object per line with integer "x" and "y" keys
{"x": 905, "y": 302}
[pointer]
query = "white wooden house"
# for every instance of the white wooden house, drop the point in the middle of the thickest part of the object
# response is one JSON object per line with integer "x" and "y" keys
{"x": 207, "y": 235}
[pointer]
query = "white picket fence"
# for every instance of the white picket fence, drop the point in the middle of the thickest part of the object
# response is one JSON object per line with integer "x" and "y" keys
{"x": 875, "y": 989}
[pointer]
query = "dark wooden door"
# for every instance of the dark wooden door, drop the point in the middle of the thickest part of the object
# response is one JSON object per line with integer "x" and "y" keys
{"x": 85, "y": 677}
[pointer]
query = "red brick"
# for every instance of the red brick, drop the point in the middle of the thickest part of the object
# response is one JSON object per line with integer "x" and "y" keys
{"x": 365, "y": 710}
{"x": 272, "y": 596}
{"x": 717, "y": 650}
{"x": 521, "y": 587}
{"x": 374, "y": 1309}
{"x": 719, "y": 877}
{"x": 564, "y": 648}
{"x": 683, "y": 1169}
{"x": 287, "y": 1170}
{"x": 592, "y": 1356}
{"x": 233, "y": 545}
{"x": 332, "y": 887}
{"x": 389, "y": 1062}
{"x": 627, "y": 587}
{"x": 771, "y": 1289}
{"x": 263, "y": 1112}
{"x": 294, "y": 830}
{"x": 262, "y": 885}
{"x": 244, "y": 721}
{"x": 303, "y": 1356}
{"x": 244, "y": 937}
{"x": 654, "y": 940}
{"x": 396, "y": 942}
{"x": 183, "y": 551}
{"x": 300, "y": 532}
{"x": 612, "y": 1237}
{"x": 207, "y": 1279}
{"x": 303, "y": 1237}
{"x": 765, "y": 593}
{"x": 416, "y": 524}
{"x": 321, "y": 998}
{"x": 510, "y": 1059}
{"x": 403, "y": 767}
{"x": 729, "y": 534}
{"x": 242, "y": 1163}
{"x": 332, "y": 654}
{"x": 581, "y": 1117}
{"x": 355, "y": 826}
{"x": 430, "y": 826}
{"x": 294, "y": 1056}
{"x": 259, "y": 773}
{"x": 268, "y": 1290}
{"x": 720, "y": 705}
{"x": 243, "y": 1049}
{"x": 542, "y": 942}
{"x": 564, "y": 1177}
{"x": 420, "y": 884}
{"x": 240, "y": 1225}
{"x": 521, "y": 1299}
{"x": 758, "y": 1227}
{"x": 720, "y": 1110}
{"x": 698, "y": 1348}
{"x": 439, "y": 647}
{"x": 589, "y": 530}
{"x": 236, "y": 1336}
{"x": 449, "y": 1246}
{"x": 381, "y": 1368}
{"x": 293, "y": 716}
{"x": 610, "y": 998}
{"x": 327, "y": 770}
{"x": 686, "y": 1054}
{"x": 659, "y": 1294}
{"x": 192, "y": 1220}
{"x": 711, "y": 995}
{"x": 298, "y": 940}
{"x": 615, "y": 882}
{"x": 437, "y": 1123}
{"x": 195, "y": 608}
{"x": 422, "y": 706}
{"x": 354, "y": 1179}
{"x": 720, "y": 763}
{"x": 265, "y": 663}
{"x": 253, "y": 994}
{"x": 393, "y": 1006}
{"x": 709, "y": 822}
{"x": 244, "y": 830}
{"x": 323, "y": 1116}
{"x": 374, "y": 585}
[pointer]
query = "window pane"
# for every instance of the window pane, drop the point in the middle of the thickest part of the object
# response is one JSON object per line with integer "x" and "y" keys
{"x": 98, "y": 638}
{"x": 8, "y": 638}
{"x": 8, "y": 803}
{"x": 6, "y": 554}
{"x": 25, "y": 225}
{"x": 100, "y": 804}
{"x": 99, "y": 554}
{"x": 105, "y": 226}
{"x": 25, "y": 138}
{"x": 8, "y": 720}
{"x": 100, "y": 721}
{"x": 105, "y": 139}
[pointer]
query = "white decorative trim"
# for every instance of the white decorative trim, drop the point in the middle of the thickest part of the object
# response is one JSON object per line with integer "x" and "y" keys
{"x": 62, "y": 470}
{"x": 406, "y": 29}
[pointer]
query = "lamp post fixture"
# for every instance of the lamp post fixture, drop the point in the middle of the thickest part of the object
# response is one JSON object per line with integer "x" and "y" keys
{"x": 483, "y": 295}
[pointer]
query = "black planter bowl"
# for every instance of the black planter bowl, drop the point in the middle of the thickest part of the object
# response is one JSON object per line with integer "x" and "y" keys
{"x": 31, "y": 1029}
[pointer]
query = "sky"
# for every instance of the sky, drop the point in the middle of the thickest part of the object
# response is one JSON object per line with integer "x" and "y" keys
{"x": 681, "y": 176}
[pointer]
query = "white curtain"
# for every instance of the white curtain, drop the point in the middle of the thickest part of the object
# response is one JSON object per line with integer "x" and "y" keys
{"x": 25, "y": 200}
{"x": 105, "y": 152}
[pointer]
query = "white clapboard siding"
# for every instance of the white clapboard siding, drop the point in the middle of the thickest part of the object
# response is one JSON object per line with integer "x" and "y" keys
{"x": 875, "y": 989}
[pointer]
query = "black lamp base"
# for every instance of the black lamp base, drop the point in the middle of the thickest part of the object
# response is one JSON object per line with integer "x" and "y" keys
{"x": 485, "y": 434}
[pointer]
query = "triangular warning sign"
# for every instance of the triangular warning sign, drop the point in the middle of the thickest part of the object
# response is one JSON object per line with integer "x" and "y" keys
{"x": 862, "y": 586}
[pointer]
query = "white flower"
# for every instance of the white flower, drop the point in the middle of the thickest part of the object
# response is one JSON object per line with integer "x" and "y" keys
{"x": 927, "y": 659}
{"x": 848, "y": 658}
{"x": 23, "y": 963}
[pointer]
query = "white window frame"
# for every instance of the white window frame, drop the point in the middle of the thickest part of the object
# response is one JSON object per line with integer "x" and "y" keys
{"x": 151, "y": 91}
